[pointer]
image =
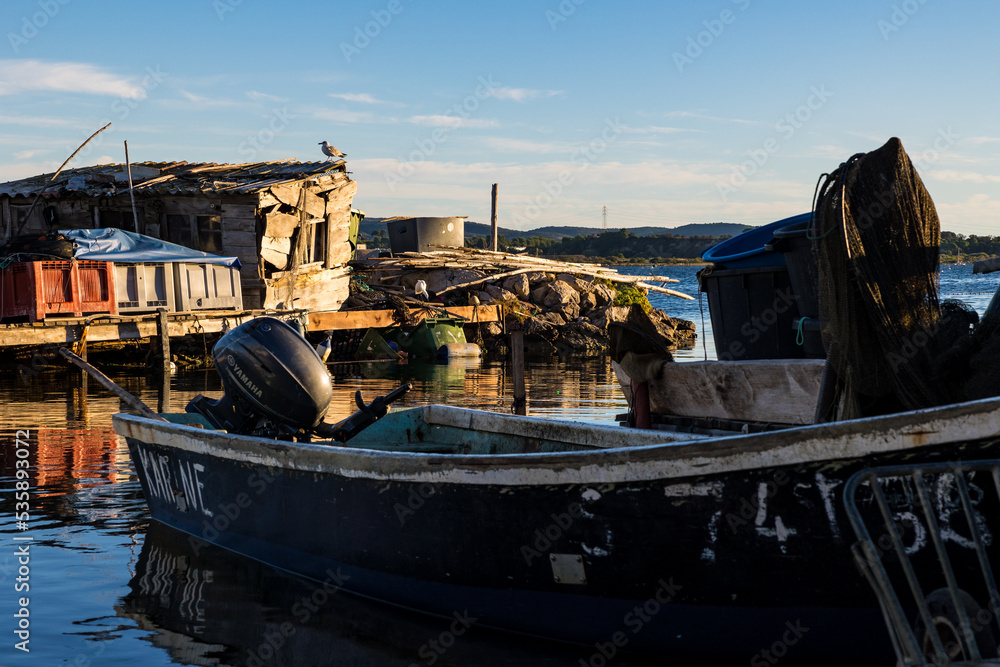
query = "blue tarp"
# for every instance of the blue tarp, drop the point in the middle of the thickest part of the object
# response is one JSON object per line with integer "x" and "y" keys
{"x": 116, "y": 245}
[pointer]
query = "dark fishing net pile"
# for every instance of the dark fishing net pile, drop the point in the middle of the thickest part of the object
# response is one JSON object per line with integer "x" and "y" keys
{"x": 891, "y": 346}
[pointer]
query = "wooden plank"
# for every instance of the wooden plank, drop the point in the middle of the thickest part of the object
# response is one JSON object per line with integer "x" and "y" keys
{"x": 280, "y": 225}
{"x": 364, "y": 319}
{"x": 275, "y": 251}
{"x": 315, "y": 205}
{"x": 338, "y": 221}
{"x": 188, "y": 206}
{"x": 779, "y": 391}
{"x": 238, "y": 239}
{"x": 67, "y": 330}
{"x": 267, "y": 200}
{"x": 239, "y": 210}
{"x": 286, "y": 194}
{"x": 339, "y": 254}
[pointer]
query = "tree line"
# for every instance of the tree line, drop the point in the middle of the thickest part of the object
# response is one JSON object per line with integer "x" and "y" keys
{"x": 622, "y": 247}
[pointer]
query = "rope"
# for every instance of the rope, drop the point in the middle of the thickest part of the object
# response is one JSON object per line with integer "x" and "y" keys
{"x": 800, "y": 336}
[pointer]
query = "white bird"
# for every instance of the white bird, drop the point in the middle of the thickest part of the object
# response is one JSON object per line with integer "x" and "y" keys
{"x": 331, "y": 151}
{"x": 420, "y": 289}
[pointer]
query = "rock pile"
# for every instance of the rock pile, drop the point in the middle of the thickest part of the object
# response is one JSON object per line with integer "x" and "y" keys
{"x": 567, "y": 309}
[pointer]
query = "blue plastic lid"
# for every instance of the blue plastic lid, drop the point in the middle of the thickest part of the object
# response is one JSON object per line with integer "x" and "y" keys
{"x": 747, "y": 249}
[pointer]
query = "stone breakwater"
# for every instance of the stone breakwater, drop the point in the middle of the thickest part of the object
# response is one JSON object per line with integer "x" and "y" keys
{"x": 559, "y": 312}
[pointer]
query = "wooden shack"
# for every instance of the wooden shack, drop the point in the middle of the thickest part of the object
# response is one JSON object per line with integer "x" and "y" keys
{"x": 288, "y": 222}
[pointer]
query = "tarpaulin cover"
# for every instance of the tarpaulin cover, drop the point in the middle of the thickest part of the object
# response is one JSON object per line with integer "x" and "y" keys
{"x": 116, "y": 245}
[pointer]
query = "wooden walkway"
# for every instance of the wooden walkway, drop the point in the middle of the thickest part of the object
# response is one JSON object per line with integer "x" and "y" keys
{"x": 103, "y": 328}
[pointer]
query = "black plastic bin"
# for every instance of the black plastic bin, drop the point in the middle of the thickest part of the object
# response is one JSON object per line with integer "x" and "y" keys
{"x": 794, "y": 242}
{"x": 753, "y": 312}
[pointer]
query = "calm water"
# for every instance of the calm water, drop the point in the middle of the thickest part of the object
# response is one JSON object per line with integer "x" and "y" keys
{"x": 107, "y": 587}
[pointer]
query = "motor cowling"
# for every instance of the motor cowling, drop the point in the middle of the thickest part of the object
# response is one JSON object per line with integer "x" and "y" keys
{"x": 275, "y": 384}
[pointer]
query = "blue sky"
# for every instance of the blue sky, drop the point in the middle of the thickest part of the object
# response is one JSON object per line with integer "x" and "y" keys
{"x": 664, "y": 112}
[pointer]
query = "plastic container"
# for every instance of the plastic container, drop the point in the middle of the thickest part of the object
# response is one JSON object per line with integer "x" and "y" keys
{"x": 750, "y": 248}
{"x": 37, "y": 290}
{"x": 144, "y": 287}
{"x": 753, "y": 313}
{"x": 207, "y": 287}
{"x": 421, "y": 234}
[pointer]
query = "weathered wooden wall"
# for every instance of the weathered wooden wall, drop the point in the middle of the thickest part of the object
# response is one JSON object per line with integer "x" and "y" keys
{"x": 271, "y": 232}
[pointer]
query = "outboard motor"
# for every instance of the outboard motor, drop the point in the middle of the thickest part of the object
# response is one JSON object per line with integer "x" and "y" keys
{"x": 275, "y": 384}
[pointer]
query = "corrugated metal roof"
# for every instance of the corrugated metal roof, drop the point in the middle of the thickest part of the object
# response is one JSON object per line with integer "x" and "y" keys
{"x": 175, "y": 178}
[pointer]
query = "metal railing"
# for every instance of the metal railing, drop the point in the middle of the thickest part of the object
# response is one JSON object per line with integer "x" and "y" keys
{"x": 931, "y": 590}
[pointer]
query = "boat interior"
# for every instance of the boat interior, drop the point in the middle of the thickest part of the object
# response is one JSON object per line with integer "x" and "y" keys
{"x": 442, "y": 429}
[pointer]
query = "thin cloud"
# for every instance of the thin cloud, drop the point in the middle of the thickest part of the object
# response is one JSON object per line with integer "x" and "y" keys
{"x": 453, "y": 122}
{"x": 28, "y": 154}
{"x": 206, "y": 101}
{"x": 18, "y": 76}
{"x": 364, "y": 98}
{"x": 38, "y": 121}
{"x": 521, "y": 94}
{"x": 527, "y": 146}
{"x": 264, "y": 97}
{"x": 654, "y": 129}
{"x": 978, "y": 141}
{"x": 952, "y": 176}
{"x": 350, "y": 117}
{"x": 719, "y": 119}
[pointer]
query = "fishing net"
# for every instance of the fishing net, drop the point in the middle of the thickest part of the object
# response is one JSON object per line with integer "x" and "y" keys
{"x": 876, "y": 237}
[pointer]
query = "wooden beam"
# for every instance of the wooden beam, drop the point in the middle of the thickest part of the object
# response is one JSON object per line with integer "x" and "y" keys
{"x": 378, "y": 319}
{"x": 65, "y": 331}
{"x": 781, "y": 391}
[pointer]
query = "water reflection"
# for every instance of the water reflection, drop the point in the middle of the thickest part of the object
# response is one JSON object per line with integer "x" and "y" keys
{"x": 208, "y": 606}
{"x": 98, "y": 599}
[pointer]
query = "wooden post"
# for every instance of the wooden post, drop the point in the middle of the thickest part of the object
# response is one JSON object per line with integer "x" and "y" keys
{"x": 493, "y": 220}
{"x": 517, "y": 360}
{"x": 131, "y": 192}
{"x": 163, "y": 329}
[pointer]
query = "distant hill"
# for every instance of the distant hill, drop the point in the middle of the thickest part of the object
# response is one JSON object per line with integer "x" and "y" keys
{"x": 475, "y": 229}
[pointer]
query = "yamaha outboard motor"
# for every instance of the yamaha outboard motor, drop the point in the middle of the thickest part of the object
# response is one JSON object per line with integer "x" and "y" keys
{"x": 275, "y": 384}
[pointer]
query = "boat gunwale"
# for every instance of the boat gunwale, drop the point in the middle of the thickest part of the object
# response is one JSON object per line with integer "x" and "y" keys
{"x": 816, "y": 443}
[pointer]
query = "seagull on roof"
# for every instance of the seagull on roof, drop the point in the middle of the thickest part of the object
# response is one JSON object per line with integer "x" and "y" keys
{"x": 331, "y": 151}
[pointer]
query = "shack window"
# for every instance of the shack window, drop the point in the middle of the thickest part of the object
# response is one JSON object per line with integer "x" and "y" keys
{"x": 209, "y": 233}
{"x": 319, "y": 242}
{"x": 112, "y": 218}
{"x": 179, "y": 230}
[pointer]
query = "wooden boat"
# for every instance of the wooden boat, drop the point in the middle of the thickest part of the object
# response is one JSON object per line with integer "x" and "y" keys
{"x": 671, "y": 544}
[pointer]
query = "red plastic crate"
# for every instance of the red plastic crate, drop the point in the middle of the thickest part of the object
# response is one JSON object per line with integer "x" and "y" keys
{"x": 38, "y": 289}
